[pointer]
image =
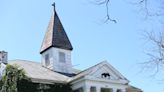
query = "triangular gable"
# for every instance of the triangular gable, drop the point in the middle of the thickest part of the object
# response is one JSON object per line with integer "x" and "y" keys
{"x": 100, "y": 71}
{"x": 104, "y": 72}
{"x": 104, "y": 69}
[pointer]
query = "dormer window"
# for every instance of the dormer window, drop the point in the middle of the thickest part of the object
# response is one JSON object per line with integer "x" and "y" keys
{"x": 47, "y": 59}
{"x": 62, "y": 57}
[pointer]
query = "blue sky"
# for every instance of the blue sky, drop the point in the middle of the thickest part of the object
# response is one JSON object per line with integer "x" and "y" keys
{"x": 23, "y": 24}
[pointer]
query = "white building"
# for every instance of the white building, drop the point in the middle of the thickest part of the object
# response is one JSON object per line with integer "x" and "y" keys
{"x": 56, "y": 66}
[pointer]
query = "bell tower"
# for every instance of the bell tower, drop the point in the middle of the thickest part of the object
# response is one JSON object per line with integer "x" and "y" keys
{"x": 56, "y": 48}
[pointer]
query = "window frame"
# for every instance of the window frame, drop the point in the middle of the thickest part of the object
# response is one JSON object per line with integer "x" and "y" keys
{"x": 62, "y": 57}
{"x": 47, "y": 59}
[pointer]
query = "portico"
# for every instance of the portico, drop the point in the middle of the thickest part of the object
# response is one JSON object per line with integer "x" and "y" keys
{"x": 91, "y": 80}
{"x": 99, "y": 87}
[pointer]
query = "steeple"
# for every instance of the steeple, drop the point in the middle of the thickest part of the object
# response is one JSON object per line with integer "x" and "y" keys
{"x": 56, "y": 47}
{"x": 55, "y": 35}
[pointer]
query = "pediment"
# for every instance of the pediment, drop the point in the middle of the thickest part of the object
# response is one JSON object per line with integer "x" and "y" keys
{"x": 104, "y": 70}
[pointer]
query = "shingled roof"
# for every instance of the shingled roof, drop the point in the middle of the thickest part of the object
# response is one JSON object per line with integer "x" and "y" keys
{"x": 39, "y": 74}
{"x": 55, "y": 35}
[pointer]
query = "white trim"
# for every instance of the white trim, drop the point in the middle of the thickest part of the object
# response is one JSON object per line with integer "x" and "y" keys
{"x": 105, "y": 80}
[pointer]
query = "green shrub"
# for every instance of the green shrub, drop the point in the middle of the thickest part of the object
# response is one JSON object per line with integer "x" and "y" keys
{"x": 14, "y": 80}
{"x": 10, "y": 78}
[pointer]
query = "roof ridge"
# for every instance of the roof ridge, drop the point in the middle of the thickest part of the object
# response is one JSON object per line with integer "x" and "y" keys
{"x": 21, "y": 60}
{"x": 92, "y": 66}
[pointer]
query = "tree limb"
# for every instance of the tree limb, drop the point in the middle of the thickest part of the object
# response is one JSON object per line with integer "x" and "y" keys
{"x": 156, "y": 54}
{"x": 106, "y": 3}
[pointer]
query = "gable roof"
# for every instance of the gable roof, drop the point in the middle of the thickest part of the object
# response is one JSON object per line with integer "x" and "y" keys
{"x": 95, "y": 68}
{"x": 55, "y": 35}
{"x": 39, "y": 74}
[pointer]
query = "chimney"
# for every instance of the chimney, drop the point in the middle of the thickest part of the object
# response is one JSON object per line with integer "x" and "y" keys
{"x": 3, "y": 57}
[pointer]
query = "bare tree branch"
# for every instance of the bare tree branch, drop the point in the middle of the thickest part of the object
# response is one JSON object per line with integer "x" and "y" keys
{"x": 106, "y": 3}
{"x": 147, "y": 8}
{"x": 107, "y": 10}
{"x": 156, "y": 54}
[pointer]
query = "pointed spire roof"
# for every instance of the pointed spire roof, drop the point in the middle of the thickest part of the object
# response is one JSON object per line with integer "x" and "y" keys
{"x": 55, "y": 35}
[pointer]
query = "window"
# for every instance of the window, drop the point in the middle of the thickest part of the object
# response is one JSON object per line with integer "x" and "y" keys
{"x": 61, "y": 57}
{"x": 47, "y": 59}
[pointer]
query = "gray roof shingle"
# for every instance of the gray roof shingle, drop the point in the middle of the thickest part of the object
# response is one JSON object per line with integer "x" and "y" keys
{"x": 37, "y": 73}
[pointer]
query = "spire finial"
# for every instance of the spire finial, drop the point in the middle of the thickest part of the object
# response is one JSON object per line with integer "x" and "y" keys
{"x": 53, "y": 5}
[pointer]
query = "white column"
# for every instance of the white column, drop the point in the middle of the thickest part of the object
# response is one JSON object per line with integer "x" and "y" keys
{"x": 98, "y": 89}
{"x": 86, "y": 88}
{"x": 114, "y": 89}
{"x": 123, "y": 90}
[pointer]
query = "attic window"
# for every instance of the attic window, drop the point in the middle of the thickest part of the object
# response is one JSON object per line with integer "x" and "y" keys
{"x": 47, "y": 59}
{"x": 105, "y": 75}
{"x": 62, "y": 57}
